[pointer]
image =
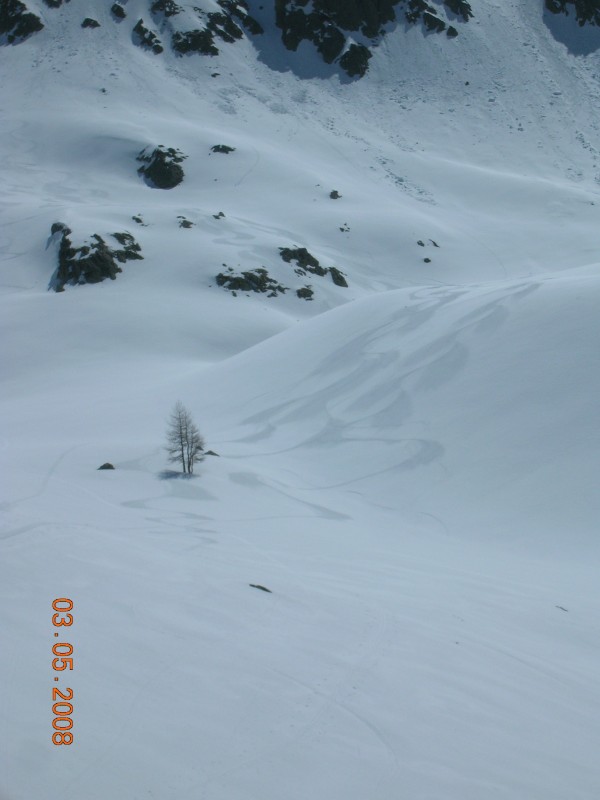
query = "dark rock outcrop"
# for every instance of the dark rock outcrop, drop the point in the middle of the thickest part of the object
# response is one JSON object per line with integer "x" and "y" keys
{"x": 144, "y": 37}
{"x": 222, "y": 148}
{"x": 355, "y": 61}
{"x": 307, "y": 263}
{"x": 257, "y": 280}
{"x": 118, "y": 11}
{"x": 88, "y": 22}
{"x": 93, "y": 261}
{"x": 161, "y": 167}
{"x": 334, "y": 25}
{"x": 16, "y": 22}
{"x": 107, "y": 465}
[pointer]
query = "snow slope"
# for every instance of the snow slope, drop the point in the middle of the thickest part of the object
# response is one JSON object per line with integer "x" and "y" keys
{"x": 408, "y": 463}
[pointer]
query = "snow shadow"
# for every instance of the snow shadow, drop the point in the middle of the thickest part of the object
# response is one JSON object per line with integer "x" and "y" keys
{"x": 579, "y": 40}
{"x": 171, "y": 474}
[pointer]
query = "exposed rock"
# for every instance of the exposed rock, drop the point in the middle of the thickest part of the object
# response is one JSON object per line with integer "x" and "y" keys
{"x": 185, "y": 223}
{"x": 145, "y": 38}
{"x": 433, "y": 23}
{"x": 303, "y": 258}
{"x": 220, "y": 215}
{"x": 199, "y": 41}
{"x": 262, "y": 588}
{"x": 88, "y": 22}
{"x": 211, "y": 453}
{"x": 338, "y": 277}
{"x": 306, "y": 293}
{"x": 451, "y": 33}
{"x": 165, "y": 8}
{"x": 91, "y": 262}
{"x": 118, "y": 11}
{"x": 239, "y": 9}
{"x": 161, "y": 168}
{"x": 54, "y": 3}
{"x": 307, "y": 263}
{"x": 460, "y": 7}
{"x": 335, "y": 195}
{"x": 16, "y": 22}
{"x": 222, "y": 148}
{"x": 355, "y": 61}
{"x": 107, "y": 465}
{"x": 257, "y": 280}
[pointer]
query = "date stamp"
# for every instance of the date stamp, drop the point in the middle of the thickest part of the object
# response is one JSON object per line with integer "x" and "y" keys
{"x": 62, "y": 699}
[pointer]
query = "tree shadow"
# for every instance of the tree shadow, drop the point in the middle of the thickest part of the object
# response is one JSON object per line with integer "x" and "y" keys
{"x": 580, "y": 40}
{"x": 171, "y": 474}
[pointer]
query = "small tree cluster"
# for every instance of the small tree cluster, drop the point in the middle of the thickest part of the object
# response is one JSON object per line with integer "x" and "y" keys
{"x": 184, "y": 442}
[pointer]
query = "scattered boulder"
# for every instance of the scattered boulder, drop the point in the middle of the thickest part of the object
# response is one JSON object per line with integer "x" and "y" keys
{"x": 307, "y": 263}
{"x": 338, "y": 277}
{"x": 185, "y": 223}
{"x": 199, "y": 41}
{"x": 16, "y": 22}
{"x": 305, "y": 293}
{"x": 239, "y": 9}
{"x": 88, "y": 22}
{"x": 211, "y": 453}
{"x": 257, "y": 280}
{"x": 220, "y": 215}
{"x": 93, "y": 261}
{"x": 165, "y": 8}
{"x": 118, "y": 11}
{"x": 222, "y": 148}
{"x": 143, "y": 37}
{"x": 335, "y": 195}
{"x": 304, "y": 260}
{"x": 161, "y": 168}
{"x": 262, "y": 588}
{"x": 107, "y": 465}
{"x": 461, "y": 8}
{"x": 355, "y": 61}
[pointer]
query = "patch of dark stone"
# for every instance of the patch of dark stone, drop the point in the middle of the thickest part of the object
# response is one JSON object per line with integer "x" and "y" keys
{"x": 92, "y": 262}
{"x": 222, "y": 148}
{"x": 54, "y": 3}
{"x": 165, "y": 8}
{"x": 161, "y": 168}
{"x": 257, "y": 280}
{"x": 194, "y": 42}
{"x": 107, "y": 465}
{"x": 240, "y": 10}
{"x": 185, "y": 223}
{"x": 262, "y": 588}
{"x": 335, "y": 195}
{"x": 307, "y": 263}
{"x": 211, "y": 453}
{"x": 355, "y": 61}
{"x": 305, "y": 293}
{"x": 88, "y": 22}
{"x": 143, "y": 37}
{"x": 461, "y": 8}
{"x": 16, "y": 22}
{"x": 327, "y": 23}
{"x": 220, "y": 215}
{"x": 118, "y": 11}
{"x": 138, "y": 218}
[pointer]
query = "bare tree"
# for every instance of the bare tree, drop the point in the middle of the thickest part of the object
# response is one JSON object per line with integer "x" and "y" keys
{"x": 184, "y": 442}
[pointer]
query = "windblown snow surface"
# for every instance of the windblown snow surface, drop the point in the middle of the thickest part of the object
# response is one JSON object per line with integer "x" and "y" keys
{"x": 410, "y": 464}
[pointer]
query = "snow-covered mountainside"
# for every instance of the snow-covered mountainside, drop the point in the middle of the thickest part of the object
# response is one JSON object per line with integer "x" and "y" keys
{"x": 360, "y": 242}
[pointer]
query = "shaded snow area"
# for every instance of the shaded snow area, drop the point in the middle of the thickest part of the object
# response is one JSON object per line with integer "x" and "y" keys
{"x": 408, "y": 463}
